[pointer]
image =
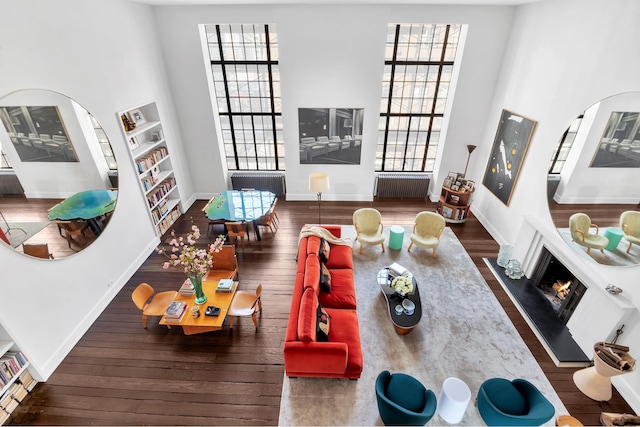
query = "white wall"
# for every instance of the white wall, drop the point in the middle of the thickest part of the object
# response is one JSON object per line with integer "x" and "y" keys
{"x": 54, "y": 179}
{"x": 563, "y": 57}
{"x": 330, "y": 56}
{"x": 104, "y": 55}
{"x": 583, "y": 184}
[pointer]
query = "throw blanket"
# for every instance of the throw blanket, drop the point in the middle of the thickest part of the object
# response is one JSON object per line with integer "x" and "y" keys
{"x": 324, "y": 233}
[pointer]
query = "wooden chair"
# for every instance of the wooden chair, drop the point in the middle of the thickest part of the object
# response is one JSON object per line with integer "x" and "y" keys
{"x": 225, "y": 264}
{"x": 236, "y": 229}
{"x": 71, "y": 228}
{"x": 245, "y": 304}
{"x": 151, "y": 304}
{"x": 268, "y": 220}
{"x": 38, "y": 250}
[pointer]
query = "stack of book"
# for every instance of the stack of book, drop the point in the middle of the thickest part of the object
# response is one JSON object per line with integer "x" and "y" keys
{"x": 175, "y": 311}
{"x": 10, "y": 365}
{"x": 225, "y": 285}
{"x": 187, "y": 288}
{"x": 396, "y": 270}
{"x": 27, "y": 380}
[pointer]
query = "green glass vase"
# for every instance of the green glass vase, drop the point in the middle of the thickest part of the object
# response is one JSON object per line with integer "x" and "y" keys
{"x": 201, "y": 298}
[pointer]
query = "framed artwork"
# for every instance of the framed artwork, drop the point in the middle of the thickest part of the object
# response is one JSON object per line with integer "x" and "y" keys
{"x": 619, "y": 145}
{"x": 133, "y": 143}
{"x": 137, "y": 117}
{"x": 38, "y": 133}
{"x": 330, "y": 135}
{"x": 509, "y": 148}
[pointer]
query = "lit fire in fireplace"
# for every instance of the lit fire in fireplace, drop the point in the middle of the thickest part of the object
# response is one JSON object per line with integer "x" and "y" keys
{"x": 562, "y": 289}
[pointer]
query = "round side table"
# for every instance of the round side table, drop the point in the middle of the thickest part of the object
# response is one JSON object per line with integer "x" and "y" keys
{"x": 614, "y": 234}
{"x": 396, "y": 235}
{"x": 454, "y": 398}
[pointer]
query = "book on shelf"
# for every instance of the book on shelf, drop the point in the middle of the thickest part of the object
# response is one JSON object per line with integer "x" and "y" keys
{"x": 27, "y": 380}
{"x": 187, "y": 288}
{"x": 225, "y": 285}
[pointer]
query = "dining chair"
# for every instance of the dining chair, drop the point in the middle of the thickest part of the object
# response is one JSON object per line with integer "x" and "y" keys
{"x": 69, "y": 229}
{"x": 245, "y": 304}
{"x": 225, "y": 264}
{"x": 38, "y": 250}
{"x": 237, "y": 229}
{"x": 150, "y": 302}
{"x": 268, "y": 220}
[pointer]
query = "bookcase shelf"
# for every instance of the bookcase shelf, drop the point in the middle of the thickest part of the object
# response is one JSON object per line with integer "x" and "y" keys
{"x": 15, "y": 379}
{"x": 454, "y": 205}
{"x": 152, "y": 162}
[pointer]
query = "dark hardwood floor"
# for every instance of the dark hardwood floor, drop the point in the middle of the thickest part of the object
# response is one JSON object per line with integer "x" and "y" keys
{"x": 122, "y": 374}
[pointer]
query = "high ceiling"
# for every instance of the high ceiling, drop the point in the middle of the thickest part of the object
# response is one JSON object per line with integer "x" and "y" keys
{"x": 341, "y": 2}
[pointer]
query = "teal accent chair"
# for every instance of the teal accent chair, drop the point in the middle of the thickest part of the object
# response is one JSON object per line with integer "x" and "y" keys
{"x": 513, "y": 403}
{"x": 403, "y": 400}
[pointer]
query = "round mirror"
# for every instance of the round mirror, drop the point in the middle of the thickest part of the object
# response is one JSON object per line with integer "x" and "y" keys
{"x": 58, "y": 175}
{"x": 592, "y": 182}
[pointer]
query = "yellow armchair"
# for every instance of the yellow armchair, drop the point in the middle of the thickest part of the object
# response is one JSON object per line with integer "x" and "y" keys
{"x": 369, "y": 227}
{"x": 630, "y": 225}
{"x": 580, "y": 227}
{"x": 427, "y": 230}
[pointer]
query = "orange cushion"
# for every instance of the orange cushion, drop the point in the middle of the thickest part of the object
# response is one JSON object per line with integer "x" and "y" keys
{"x": 307, "y": 316}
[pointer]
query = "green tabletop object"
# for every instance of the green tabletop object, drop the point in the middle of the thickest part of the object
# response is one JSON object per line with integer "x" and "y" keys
{"x": 236, "y": 205}
{"x": 85, "y": 205}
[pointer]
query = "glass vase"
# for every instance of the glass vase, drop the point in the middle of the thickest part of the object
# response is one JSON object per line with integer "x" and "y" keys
{"x": 514, "y": 270}
{"x": 504, "y": 255}
{"x": 201, "y": 298}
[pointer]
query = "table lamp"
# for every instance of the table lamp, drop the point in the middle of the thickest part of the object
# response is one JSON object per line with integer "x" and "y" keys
{"x": 318, "y": 182}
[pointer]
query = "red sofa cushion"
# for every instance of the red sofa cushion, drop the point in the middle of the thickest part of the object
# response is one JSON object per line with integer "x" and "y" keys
{"x": 312, "y": 273}
{"x": 308, "y": 316}
{"x": 341, "y": 256}
{"x": 343, "y": 293}
{"x": 345, "y": 328}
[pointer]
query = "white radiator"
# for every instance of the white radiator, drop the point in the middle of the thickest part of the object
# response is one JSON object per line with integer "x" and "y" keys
{"x": 266, "y": 181}
{"x": 409, "y": 185}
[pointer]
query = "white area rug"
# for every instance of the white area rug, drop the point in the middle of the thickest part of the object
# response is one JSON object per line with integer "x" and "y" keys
{"x": 464, "y": 333}
{"x": 23, "y": 231}
{"x": 617, "y": 257}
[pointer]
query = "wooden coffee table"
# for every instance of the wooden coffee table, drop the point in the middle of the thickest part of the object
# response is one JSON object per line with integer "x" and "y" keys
{"x": 403, "y": 321}
{"x": 204, "y": 323}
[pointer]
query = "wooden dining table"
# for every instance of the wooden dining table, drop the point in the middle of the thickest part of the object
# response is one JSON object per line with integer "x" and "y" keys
{"x": 237, "y": 205}
{"x": 203, "y": 323}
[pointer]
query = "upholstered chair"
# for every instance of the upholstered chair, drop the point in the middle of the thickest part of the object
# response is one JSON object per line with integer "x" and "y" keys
{"x": 580, "y": 227}
{"x": 513, "y": 403}
{"x": 403, "y": 400}
{"x": 427, "y": 230}
{"x": 369, "y": 227}
{"x": 630, "y": 225}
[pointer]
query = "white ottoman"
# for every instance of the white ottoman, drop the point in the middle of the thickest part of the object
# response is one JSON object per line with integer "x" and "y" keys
{"x": 454, "y": 398}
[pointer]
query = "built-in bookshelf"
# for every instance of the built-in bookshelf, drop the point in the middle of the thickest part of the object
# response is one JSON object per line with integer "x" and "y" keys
{"x": 15, "y": 379}
{"x": 145, "y": 137}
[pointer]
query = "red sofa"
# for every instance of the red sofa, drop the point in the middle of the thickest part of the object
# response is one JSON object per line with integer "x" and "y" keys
{"x": 304, "y": 354}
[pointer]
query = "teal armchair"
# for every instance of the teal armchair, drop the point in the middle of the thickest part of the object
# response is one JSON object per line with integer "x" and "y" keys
{"x": 513, "y": 403}
{"x": 403, "y": 400}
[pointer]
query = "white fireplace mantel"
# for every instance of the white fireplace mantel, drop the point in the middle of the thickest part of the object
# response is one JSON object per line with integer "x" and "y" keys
{"x": 599, "y": 313}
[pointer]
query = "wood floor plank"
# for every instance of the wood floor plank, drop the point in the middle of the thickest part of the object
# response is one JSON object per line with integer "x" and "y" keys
{"x": 122, "y": 374}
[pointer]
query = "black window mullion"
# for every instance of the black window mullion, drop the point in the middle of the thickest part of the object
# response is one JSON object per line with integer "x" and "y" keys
{"x": 271, "y": 98}
{"x": 228, "y": 99}
{"x": 391, "y": 82}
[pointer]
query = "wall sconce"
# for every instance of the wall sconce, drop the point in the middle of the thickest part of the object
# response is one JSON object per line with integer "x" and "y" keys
{"x": 318, "y": 182}
{"x": 470, "y": 148}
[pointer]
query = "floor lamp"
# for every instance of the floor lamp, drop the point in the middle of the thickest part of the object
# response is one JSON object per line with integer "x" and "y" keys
{"x": 470, "y": 148}
{"x": 318, "y": 182}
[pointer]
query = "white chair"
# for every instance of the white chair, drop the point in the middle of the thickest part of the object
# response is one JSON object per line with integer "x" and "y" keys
{"x": 245, "y": 304}
{"x": 369, "y": 227}
{"x": 427, "y": 230}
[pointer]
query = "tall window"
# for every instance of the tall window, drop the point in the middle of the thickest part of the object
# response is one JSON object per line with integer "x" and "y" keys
{"x": 417, "y": 74}
{"x": 564, "y": 147}
{"x": 246, "y": 78}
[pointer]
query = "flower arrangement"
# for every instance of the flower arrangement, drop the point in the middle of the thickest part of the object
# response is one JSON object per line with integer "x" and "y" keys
{"x": 184, "y": 254}
{"x": 403, "y": 285}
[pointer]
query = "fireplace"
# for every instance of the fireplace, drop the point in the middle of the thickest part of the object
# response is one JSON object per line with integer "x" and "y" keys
{"x": 558, "y": 285}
